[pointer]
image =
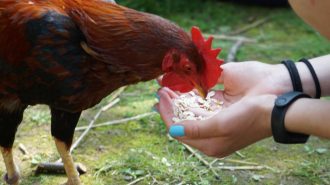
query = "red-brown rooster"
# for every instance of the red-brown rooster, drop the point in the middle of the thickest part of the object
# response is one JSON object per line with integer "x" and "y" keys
{"x": 69, "y": 54}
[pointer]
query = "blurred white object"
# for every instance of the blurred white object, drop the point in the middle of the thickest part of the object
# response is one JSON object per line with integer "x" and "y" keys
{"x": 110, "y": 1}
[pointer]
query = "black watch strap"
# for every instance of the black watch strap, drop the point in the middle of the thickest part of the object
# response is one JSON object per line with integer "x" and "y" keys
{"x": 280, "y": 134}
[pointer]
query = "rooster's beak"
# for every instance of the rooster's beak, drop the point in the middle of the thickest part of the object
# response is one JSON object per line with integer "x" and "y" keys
{"x": 201, "y": 91}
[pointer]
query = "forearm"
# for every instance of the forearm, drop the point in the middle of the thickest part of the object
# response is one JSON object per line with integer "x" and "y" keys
{"x": 309, "y": 116}
{"x": 315, "y": 13}
{"x": 321, "y": 66}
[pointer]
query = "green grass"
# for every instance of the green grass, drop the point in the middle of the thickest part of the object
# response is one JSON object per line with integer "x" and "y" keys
{"x": 119, "y": 154}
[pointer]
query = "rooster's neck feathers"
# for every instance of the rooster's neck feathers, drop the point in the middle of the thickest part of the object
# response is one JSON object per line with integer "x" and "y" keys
{"x": 115, "y": 29}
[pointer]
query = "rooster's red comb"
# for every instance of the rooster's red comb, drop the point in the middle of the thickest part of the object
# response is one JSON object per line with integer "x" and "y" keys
{"x": 212, "y": 70}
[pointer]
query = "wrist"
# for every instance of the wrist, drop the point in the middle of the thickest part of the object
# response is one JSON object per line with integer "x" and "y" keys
{"x": 265, "y": 106}
{"x": 282, "y": 80}
{"x": 290, "y": 123}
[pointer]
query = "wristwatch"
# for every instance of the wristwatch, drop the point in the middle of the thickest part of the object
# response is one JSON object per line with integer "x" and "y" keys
{"x": 280, "y": 134}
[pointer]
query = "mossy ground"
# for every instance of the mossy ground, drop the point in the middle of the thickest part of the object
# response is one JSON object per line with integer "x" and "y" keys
{"x": 119, "y": 154}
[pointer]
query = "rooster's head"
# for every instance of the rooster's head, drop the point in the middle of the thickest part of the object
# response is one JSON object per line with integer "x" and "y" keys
{"x": 196, "y": 68}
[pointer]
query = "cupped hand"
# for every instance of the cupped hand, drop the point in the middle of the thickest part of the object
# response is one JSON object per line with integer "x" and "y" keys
{"x": 250, "y": 78}
{"x": 234, "y": 127}
{"x": 243, "y": 79}
{"x": 245, "y": 118}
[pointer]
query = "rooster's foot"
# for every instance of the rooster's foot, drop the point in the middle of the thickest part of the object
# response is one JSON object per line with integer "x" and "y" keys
{"x": 12, "y": 181}
{"x": 73, "y": 181}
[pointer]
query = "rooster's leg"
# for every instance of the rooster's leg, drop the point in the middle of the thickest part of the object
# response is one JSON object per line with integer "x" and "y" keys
{"x": 9, "y": 121}
{"x": 63, "y": 126}
{"x": 71, "y": 172}
{"x": 12, "y": 176}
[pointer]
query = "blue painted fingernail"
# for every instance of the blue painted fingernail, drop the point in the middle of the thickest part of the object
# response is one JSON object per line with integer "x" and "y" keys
{"x": 177, "y": 131}
{"x": 157, "y": 96}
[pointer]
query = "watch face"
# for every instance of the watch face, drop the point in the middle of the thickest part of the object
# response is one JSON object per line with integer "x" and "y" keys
{"x": 281, "y": 101}
{"x": 287, "y": 98}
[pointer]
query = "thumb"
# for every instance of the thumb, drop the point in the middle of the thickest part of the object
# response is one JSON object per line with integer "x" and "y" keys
{"x": 198, "y": 129}
{"x": 221, "y": 78}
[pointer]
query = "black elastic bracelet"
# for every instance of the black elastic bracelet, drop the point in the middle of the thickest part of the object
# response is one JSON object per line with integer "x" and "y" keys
{"x": 295, "y": 78}
{"x": 282, "y": 104}
{"x": 316, "y": 80}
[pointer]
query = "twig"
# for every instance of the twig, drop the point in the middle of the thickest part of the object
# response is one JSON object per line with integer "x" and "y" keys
{"x": 233, "y": 50}
{"x": 113, "y": 1}
{"x": 241, "y": 167}
{"x": 151, "y": 155}
{"x": 113, "y": 100}
{"x": 192, "y": 151}
{"x": 239, "y": 161}
{"x": 240, "y": 154}
{"x": 249, "y": 163}
{"x": 199, "y": 157}
{"x": 115, "y": 94}
{"x": 137, "y": 117}
{"x": 22, "y": 148}
{"x": 231, "y": 38}
{"x": 138, "y": 179}
{"x": 58, "y": 168}
{"x": 97, "y": 115}
{"x": 250, "y": 26}
{"x": 214, "y": 161}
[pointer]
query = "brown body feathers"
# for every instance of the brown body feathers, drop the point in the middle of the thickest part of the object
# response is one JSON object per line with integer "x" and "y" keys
{"x": 70, "y": 54}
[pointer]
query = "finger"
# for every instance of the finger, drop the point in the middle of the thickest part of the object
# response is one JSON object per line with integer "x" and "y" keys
{"x": 224, "y": 99}
{"x": 171, "y": 93}
{"x": 215, "y": 147}
{"x": 201, "y": 112}
{"x": 227, "y": 99}
{"x": 221, "y": 78}
{"x": 165, "y": 106}
{"x": 196, "y": 129}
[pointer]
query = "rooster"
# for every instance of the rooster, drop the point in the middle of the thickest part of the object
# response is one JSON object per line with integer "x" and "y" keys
{"x": 69, "y": 54}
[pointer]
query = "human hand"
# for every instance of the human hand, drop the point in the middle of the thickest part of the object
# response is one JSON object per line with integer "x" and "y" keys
{"x": 253, "y": 78}
{"x": 233, "y": 128}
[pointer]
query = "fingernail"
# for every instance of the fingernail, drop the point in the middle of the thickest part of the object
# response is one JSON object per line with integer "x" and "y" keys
{"x": 177, "y": 131}
{"x": 157, "y": 96}
{"x": 154, "y": 109}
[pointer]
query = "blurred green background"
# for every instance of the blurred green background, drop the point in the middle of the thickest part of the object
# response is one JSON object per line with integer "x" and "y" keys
{"x": 120, "y": 154}
{"x": 284, "y": 35}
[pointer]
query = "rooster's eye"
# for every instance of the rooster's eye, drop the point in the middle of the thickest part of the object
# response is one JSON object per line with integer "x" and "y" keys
{"x": 187, "y": 68}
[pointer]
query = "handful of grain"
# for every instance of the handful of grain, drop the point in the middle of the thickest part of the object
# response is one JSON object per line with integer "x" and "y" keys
{"x": 183, "y": 106}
